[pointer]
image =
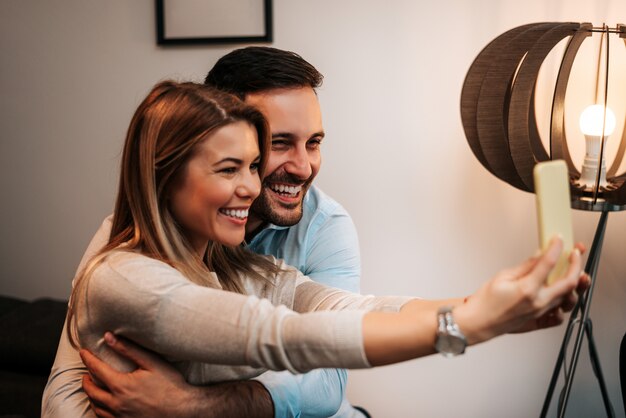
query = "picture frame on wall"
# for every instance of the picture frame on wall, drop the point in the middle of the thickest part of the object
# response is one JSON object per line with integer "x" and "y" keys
{"x": 196, "y": 22}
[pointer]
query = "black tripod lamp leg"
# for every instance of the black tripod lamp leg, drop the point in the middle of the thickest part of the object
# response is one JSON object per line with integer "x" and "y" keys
{"x": 581, "y": 306}
{"x": 597, "y": 369}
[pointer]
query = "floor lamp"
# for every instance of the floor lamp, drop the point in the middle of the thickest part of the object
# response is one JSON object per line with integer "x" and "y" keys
{"x": 499, "y": 120}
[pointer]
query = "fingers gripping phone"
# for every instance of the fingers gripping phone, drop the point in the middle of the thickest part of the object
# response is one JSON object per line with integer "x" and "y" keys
{"x": 554, "y": 213}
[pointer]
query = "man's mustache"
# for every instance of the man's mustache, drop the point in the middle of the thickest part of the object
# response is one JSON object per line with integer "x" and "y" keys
{"x": 287, "y": 178}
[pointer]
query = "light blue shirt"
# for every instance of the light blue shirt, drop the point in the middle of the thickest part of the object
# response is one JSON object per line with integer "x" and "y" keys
{"x": 324, "y": 246}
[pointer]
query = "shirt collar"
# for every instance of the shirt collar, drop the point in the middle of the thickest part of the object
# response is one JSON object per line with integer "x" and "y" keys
{"x": 263, "y": 231}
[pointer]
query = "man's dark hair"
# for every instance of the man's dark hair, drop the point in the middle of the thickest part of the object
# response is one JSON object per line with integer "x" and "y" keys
{"x": 254, "y": 69}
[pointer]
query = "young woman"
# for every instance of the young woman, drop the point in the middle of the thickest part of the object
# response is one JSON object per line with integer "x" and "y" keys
{"x": 174, "y": 278}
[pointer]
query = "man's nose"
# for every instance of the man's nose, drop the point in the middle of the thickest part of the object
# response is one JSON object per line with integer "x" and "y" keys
{"x": 299, "y": 163}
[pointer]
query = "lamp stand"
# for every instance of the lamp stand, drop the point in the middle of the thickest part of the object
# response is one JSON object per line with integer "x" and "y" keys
{"x": 580, "y": 317}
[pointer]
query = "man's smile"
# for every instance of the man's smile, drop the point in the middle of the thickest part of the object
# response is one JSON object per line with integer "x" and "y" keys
{"x": 285, "y": 189}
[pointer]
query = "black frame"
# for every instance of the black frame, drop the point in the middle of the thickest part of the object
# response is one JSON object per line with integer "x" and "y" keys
{"x": 201, "y": 40}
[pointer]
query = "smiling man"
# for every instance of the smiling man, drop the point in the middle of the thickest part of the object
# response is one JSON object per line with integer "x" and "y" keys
{"x": 296, "y": 125}
{"x": 291, "y": 219}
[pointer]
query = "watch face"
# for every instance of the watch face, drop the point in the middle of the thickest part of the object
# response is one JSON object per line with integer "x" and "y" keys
{"x": 450, "y": 345}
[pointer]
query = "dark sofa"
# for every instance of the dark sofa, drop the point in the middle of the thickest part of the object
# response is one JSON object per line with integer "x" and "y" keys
{"x": 29, "y": 335}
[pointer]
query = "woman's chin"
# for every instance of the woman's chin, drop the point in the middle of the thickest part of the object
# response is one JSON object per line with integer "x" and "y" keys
{"x": 231, "y": 241}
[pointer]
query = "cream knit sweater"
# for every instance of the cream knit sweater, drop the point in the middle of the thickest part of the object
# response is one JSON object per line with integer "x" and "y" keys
{"x": 208, "y": 334}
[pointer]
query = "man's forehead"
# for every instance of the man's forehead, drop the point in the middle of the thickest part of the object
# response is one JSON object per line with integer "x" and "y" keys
{"x": 289, "y": 110}
{"x": 299, "y": 93}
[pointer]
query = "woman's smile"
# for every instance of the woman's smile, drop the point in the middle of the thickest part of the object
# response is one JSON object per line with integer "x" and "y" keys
{"x": 238, "y": 216}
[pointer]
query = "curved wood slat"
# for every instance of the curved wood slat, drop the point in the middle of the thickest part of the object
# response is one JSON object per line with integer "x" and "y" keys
{"x": 472, "y": 85}
{"x": 622, "y": 145}
{"x": 558, "y": 142}
{"x": 536, "y": 144}
{"x": 523, "y": 139}
{"x": 619, "y": 156}
{"x": 617, "y": 197}
{"x": 492, "y": 113}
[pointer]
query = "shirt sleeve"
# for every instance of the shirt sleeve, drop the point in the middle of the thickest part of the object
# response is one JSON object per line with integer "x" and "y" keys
{"x": 299, "y": 395}
{"x": 333, "y": 259}
{"x": 333, "y": 252}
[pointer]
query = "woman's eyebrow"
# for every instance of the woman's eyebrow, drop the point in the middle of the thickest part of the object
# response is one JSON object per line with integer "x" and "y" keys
{"x": 229, "y": 160}
{"x": 235, "y": 160}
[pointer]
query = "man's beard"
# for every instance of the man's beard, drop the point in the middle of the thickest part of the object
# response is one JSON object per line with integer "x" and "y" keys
{"x": 270, "y": 210}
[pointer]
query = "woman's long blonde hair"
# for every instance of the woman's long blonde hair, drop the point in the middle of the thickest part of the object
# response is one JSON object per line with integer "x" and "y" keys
{"x": 161, "y": 138}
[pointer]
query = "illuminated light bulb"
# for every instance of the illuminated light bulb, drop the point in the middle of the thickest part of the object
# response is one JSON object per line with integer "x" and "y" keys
{"x": 591, "y": 126}
{"x": 591, "y": 121}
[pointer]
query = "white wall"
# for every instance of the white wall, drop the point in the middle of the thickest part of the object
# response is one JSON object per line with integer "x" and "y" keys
{"x": 432, "y": 221}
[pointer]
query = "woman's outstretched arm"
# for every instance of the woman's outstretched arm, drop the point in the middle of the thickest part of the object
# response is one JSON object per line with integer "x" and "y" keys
{"x": 148, "y": 302}
{"x": 516, "y": 299}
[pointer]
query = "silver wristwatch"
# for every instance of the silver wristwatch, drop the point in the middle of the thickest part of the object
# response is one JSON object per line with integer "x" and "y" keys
{"x": 450, "y": 340}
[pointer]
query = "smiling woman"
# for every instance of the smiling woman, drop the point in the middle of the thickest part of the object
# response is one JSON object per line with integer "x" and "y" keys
{"x": 174, "y": 279}
{"x": 192, "y": 155}
{"x": 219, "y": 183}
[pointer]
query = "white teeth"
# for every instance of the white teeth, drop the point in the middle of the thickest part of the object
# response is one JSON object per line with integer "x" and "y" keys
{"x": 241, "y": 213}
{"x": 281, "y": 188}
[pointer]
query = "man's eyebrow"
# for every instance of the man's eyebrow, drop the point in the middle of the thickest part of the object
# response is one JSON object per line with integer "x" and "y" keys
{"x": 289, "y": 135}
{"x": 283, "y": 135}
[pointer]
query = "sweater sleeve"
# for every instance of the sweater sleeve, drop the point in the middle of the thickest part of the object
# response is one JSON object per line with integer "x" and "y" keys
{"x": 311, "y": 296}
{"x": 322, "y": 303}
{"x": 152, "y": 304}
{"x": 63, "y": 395}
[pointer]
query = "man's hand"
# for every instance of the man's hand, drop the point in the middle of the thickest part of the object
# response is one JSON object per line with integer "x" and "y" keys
{"x": 156, "y": 389}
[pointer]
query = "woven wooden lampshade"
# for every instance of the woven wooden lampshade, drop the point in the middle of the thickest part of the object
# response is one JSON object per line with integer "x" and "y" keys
{"x": 498, "y": 112}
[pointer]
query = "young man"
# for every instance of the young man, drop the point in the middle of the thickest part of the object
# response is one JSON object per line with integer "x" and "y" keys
{"x": 291, "y": 219}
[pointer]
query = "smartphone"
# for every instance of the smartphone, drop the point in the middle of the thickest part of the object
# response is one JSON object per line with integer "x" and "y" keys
{"x": 554, "y": 212}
